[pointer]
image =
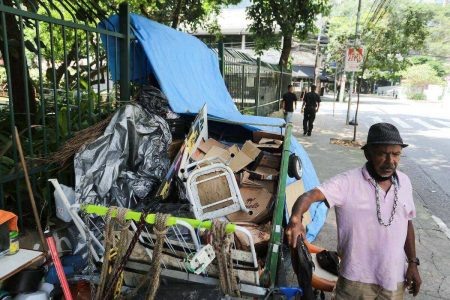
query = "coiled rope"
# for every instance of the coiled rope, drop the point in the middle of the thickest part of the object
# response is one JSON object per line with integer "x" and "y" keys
{"x": 222, "y": 246}
{"x": 160, "y": 229}
{"x": 109, "y": 269}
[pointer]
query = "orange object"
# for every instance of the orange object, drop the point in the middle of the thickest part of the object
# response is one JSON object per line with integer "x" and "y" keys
{"x": 7, "y": 216}
{"x": 322, "y": 284}
{"x": 313, "y": 248}
{"x": 317, "y": 282}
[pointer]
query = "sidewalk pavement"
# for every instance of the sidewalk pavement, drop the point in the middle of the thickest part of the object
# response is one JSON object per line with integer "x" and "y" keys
{"x": 432, "y": 244}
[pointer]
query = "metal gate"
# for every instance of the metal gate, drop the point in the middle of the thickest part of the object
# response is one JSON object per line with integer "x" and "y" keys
{"x": 55, "y": 81}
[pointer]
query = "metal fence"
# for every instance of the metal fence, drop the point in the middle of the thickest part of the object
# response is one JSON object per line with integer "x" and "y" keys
{"x": 256, "y": 87}
{"x": 56, "y": 81}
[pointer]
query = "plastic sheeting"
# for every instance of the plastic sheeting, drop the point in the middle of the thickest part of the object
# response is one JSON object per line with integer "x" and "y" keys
{"x": 127, "y": 162}
{"x": 188, "y": 73}
{"x": 317, "y": 210}
{"x": 185, "y": 68}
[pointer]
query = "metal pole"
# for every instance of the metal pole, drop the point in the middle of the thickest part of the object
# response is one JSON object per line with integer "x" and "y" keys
{"x": 317, "y": 56}
{"x": 280, "y": 93}
{"x": 124, "y": 18}
{"x": 358, "y": 89}
{"x": 342, "y": 89}
{"x": 358, "y": 15}
{"x": 334, "y": 94}
{"x": 243, "y": 85}
{"x": 258, "y": 69}
{"x": 220, "y": 48}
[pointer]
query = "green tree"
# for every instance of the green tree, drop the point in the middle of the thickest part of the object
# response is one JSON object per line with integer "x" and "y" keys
{"x": 182, "y": 12}
{"x": 390, "y": 41}
{"x": 438, "y": 65}
{"x": 295, "y": 19}
{"x": 438, "y": 42}
{"x": 417, "y": 77}
{"x": 406, "y": 34}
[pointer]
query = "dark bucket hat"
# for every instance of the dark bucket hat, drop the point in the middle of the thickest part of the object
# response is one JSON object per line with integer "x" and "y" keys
{"x": 384, "y": 133}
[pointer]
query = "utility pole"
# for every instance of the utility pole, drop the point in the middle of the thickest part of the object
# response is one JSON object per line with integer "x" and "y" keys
{"x": 316, "y": 64}
{"x": 358, "y": 15}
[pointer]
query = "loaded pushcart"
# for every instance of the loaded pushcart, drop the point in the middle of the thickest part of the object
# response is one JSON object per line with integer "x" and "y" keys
{"x": 188, "y": 252}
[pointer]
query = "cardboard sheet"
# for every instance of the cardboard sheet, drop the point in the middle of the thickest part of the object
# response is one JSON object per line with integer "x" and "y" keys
{"x": 263, "y": 173}
{"x": 215, "y": 151}
{"x": 233, "y": 149}
{"x": 293, "y": 191}
{"x": 258, "y": 200}
{"x": 260, "y": 235}
{"x": 258, "y": 135}
{"x": 270, "y": 141}
{"x": 269, "y": 160}
{"x": 205, "y": 146}
{"x": 246, "y": 156}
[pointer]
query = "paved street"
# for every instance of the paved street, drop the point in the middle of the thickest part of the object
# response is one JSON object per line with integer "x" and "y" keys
{"x": 424, "y": 126}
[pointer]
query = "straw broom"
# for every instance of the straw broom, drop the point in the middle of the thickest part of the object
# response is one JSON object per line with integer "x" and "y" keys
{"x": 81, "y": 138}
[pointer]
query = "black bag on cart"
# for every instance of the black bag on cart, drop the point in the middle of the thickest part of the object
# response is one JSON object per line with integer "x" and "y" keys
{"x": 303, "y": 267}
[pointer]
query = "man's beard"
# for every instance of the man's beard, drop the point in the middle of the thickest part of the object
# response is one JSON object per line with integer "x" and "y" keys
{"x": 375, "y": 175}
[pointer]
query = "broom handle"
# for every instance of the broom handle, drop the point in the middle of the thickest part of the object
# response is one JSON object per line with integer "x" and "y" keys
{"x": 58, "y": 266}
{"x": 30, "y": 191}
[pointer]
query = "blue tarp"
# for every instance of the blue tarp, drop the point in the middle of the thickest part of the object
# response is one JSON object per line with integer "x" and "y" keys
{"x": 188, "y": 74}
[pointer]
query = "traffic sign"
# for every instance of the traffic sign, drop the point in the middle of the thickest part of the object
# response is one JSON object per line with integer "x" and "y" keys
{"x": 353, "y": 59}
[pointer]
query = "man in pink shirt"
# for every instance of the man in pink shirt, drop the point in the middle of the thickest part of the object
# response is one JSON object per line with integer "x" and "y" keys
{"x": 374, "y": 211}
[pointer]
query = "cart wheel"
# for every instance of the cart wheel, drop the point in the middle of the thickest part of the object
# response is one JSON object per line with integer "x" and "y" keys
{"x": 295, "y": 167}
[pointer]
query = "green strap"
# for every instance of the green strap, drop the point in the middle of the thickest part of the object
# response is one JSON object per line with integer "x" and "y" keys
{"x": 151, "y": 218}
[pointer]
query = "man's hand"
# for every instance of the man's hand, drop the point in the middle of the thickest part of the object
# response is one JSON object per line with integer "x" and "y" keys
{"x": 294, "y": 229}
{"x": 413, "y": 280}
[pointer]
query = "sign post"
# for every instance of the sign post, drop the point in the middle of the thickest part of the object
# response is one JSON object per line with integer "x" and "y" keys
{"x": 353, "y": 62}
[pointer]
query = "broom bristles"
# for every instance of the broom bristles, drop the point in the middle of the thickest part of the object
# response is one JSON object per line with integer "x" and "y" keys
{"x": 81, "y": 138}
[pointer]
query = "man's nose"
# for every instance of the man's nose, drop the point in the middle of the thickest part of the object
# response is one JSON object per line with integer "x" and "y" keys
{"x": 389, "y": 158}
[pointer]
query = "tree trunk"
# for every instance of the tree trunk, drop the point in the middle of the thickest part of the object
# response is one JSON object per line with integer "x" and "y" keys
{"x": 61, "y": 70}
{"x": 176, "y": 14}
{"x": 17, "y": 62}
{"x": 286, "y": 51}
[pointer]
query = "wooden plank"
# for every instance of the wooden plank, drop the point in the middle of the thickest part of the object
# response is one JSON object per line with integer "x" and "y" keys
{"x": 12, "y": 264}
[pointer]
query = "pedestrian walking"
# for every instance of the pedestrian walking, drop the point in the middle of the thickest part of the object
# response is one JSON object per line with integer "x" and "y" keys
{"x": 310, "y": 106}
{"x": 289, "y": 104}
{"x": 374, "y": 211}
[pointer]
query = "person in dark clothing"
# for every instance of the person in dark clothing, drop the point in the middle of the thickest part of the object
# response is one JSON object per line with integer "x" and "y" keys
{"x": 310, "y": 106}
{"x": 289, "y": 104}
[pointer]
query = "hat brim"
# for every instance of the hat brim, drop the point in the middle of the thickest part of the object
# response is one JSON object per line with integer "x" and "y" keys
{"x": 384, "y": 143}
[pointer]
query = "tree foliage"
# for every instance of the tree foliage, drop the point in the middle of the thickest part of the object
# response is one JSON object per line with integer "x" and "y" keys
{"x": 419, "y": 76}
{"x": 192, "y": 14}
{"x": 389, "y": 42}
{"x": 438, "y": 41}
{"x": 292, "y": 18}
{"x": 392, "y": 42}
{"x": 438, "y": 65}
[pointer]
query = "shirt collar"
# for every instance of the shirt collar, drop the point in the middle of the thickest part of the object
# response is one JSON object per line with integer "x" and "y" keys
{"x": 367, "y": 176}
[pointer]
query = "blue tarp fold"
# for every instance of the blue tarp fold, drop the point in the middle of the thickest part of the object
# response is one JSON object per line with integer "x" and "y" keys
{"x": 188, "y": 74}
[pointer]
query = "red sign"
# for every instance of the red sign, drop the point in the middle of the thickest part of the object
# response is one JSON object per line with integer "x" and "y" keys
{"x": 354, "y": 59}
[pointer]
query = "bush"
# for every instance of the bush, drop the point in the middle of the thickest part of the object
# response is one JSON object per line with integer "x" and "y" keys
{"x": 417, "y": 96}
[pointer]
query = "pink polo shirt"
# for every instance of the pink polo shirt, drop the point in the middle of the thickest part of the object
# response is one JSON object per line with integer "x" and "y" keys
{"x": 370, "y": 252}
